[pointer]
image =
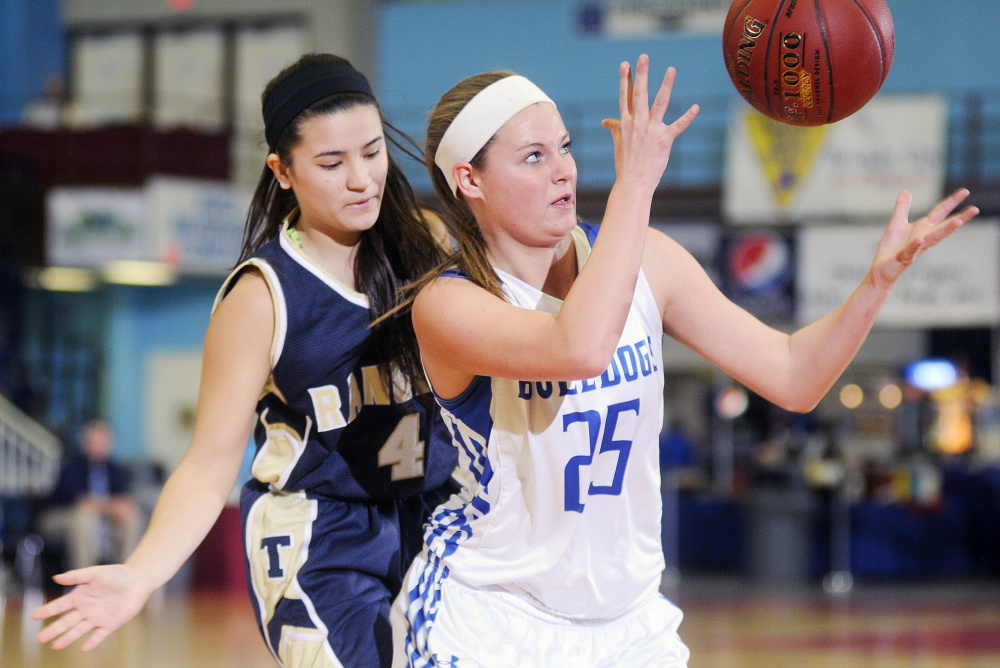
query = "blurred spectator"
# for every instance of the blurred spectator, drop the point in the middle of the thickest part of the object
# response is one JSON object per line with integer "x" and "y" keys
{"x": 90, "y": 511}
{"x": 676, "y": 448}
{"x": 46, "y": 111}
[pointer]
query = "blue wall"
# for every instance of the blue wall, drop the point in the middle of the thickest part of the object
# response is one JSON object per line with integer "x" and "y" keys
{"x": 31, "y": 48}
{"x": 143, "y": 321}
{"x": 426, "y": 47}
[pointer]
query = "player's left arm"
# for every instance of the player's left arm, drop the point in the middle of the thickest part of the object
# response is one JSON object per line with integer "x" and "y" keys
{"x": 794, "y": 370}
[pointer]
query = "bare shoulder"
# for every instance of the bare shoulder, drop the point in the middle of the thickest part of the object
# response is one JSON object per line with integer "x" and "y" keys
{"x": 249, "y": 300}
{"x": 442, "y": 294}
{"x": 438, "y": 228}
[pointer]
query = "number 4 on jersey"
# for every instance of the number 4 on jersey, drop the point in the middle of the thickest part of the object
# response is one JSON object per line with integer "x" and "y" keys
{"x": 404, "y": 450}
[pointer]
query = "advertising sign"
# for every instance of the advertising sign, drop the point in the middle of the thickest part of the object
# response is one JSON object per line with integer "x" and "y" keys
{"x": 850, "y": 170}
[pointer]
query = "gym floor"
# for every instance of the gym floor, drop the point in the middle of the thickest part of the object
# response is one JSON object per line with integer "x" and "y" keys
{"x": 728, "y": 623}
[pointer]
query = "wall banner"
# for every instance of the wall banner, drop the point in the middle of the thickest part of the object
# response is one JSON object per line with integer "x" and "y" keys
{"x": 194, "y": 224}
{"x": 632, "y": 19}
{"x": 954, "y": 284}
{"x": 201, "y": 222}
{"x": 850, "y": 170}
{"x": 88, "y": 226}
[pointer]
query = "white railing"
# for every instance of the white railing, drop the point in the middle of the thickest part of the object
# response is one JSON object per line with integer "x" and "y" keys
{"x": 29, "y": 454}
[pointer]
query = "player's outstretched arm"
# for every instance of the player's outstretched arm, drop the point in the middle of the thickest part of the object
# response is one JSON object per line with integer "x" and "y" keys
{"x": 506, "y": 341}
{"x": 793, "y": 371}
{"x": 235, "y": 367}
{"x": 903, "y": 241}
{"x": 103, "y": 598}
{"x": 821, "y": 351}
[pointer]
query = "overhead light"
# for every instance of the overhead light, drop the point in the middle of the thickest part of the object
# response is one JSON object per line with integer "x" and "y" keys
{"x": 138, "y": 272}
{"x": 851, "y": 395}
{"x": 931, "y": 374}
{"x": 732, "y": 402}
{"x": 890, "y": 396}
{"x": 61, "y": 279}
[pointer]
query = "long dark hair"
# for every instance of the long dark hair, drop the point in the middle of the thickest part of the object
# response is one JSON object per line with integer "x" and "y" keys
{"x": 398, "y": 249}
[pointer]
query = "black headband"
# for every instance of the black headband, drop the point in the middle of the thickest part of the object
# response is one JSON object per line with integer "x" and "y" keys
{"x": 303, "y": 87}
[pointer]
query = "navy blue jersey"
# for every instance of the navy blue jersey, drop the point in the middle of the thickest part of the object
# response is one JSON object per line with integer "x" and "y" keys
{"x": 326, "y": 423}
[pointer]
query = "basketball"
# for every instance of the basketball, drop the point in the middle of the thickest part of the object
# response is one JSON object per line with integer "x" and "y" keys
{"x": 808, "y": 62}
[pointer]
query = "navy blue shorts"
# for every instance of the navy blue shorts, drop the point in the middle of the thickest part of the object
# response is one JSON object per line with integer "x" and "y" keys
{"x": 322, "y": 573}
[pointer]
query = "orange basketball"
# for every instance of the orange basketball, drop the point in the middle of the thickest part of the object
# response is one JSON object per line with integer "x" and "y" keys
{"x": 808, "y": 62}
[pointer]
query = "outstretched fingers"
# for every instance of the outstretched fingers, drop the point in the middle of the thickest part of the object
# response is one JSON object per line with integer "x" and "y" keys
{"x": 640, "y": 87}
{"x": 624, "y": 90}
{"x": 57, "y": 628}
{"x": 941, "y": 221}
{"x": 685, "y": 121}
{"x": 950, "y": 224}
{"x": 74, "y": 633}
{"x": 662, "y": 99}
{"x": 52, "y": 608}
{"x": 95, "y": 639}
{"x": 935, "y": 226}
{"x": 946, "y": 206}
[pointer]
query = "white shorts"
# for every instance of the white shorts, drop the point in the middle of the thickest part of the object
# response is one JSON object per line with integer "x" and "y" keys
{"x": 437, "y": 621}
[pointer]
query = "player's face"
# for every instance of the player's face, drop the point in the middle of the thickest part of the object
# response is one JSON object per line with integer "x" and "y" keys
{"x": 338, "y": 170}
{"x": 528, "y": 181}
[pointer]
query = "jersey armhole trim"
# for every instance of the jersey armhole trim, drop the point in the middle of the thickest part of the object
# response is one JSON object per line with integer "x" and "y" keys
{"x": 277, "y": 302}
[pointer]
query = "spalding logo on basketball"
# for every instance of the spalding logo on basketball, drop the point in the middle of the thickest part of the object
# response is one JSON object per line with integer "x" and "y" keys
{"x": 808, "y": 62}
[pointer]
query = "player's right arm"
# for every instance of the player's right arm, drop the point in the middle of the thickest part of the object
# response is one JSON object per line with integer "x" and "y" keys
{"x": 235, "y": 366}
{"x": 464, "y": 331}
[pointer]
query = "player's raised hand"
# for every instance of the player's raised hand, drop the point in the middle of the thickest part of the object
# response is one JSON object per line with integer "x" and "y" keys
{"x": 904, "y": 241}
{"x": 102, "y": 600}
{"x": 642, "y": 140}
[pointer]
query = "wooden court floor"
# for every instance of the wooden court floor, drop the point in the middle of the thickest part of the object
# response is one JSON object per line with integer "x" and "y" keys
{"x": 728, "y": 624}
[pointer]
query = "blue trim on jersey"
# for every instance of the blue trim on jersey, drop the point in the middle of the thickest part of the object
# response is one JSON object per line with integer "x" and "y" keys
{"x": 591, "y": 231}
{"x": 424, "y": 601}
{"x": 478, "y": 393}
{"x": 469, "y": 431}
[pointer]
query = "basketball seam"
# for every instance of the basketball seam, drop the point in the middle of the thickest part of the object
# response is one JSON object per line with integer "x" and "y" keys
{"x": 878, "y": 39}
{"x": 829, "y": 63}
{"x": 735, "y": 23}
{"x": 767, "y": 59}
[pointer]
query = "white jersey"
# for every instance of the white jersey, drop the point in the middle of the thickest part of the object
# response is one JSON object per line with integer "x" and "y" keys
{"x": 562, "y": 499}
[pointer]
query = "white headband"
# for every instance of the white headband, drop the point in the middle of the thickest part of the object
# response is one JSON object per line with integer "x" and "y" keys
{"x": 481, "y": 118}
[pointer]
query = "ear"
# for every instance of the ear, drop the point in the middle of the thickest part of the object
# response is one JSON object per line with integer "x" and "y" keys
{"x": 280, "y": 171}
{"x": 467, "y": 180}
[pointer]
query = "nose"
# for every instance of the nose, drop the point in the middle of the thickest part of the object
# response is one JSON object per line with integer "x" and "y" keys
{"x": 563, "y": 168}
{"x": 358, "y": 177}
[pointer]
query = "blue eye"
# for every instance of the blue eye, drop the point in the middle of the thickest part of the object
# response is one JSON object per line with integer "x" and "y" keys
{"x": 534, "y": 156}
{"x": 566, "y": 148}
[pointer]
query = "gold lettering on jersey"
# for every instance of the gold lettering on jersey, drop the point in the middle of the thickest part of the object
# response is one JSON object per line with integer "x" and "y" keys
{"x": 364, "y": 388}
{"x": 355, "y": 397}
{"x": 376, "y": 393}
{"x": 326, "y": 405}
{"x": 404, "y": 450}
